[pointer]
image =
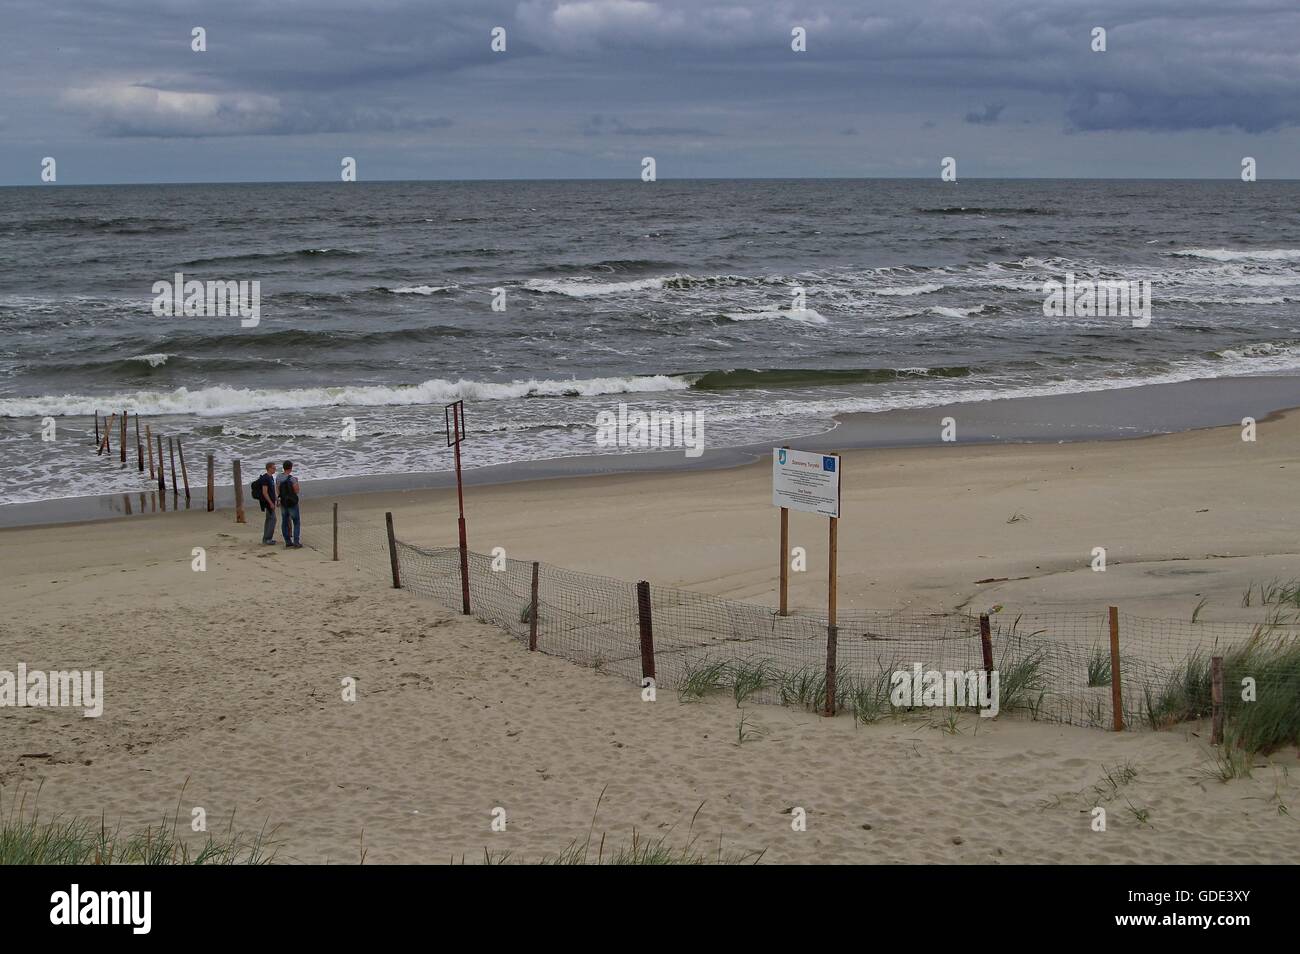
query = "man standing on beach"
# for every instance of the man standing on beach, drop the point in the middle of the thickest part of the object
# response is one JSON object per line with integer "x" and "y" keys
{"x": 266, "y": 500}
{"x": 286, "y": 489}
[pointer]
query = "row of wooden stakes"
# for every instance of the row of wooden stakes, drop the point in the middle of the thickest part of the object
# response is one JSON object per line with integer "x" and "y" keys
{"x": 144, "y": 450}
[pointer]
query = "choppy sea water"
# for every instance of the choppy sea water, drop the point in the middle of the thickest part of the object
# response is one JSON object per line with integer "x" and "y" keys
{"x": 377, "y": 306}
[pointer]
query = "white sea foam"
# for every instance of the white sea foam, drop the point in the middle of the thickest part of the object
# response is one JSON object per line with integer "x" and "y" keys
{"x": 1243, "y": 255}
{"x": 217, "y": 401}
{"x": 805, "y": 315}
{"x": 1220, "y": 300}
{"x": 909, "y": 290}
{"x": 153, "y": 360}
{"x": 588, "y": 289}
{"x": 421, "y": 289}
{"x": 956, "y": 312}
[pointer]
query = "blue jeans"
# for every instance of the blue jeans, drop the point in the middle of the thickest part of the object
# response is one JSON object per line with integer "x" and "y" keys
{"x": 268, "y": 526}
{"x": 287, "y": 514}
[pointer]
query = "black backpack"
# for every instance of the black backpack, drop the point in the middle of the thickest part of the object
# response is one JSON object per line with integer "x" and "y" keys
{"x": 287, "y": 496}
{"x": 256, "y": 488}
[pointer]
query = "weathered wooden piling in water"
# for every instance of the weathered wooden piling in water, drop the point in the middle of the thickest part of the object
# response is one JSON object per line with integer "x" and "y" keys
{"x": 184, "y": 474}
{"x": 162, "y": 479}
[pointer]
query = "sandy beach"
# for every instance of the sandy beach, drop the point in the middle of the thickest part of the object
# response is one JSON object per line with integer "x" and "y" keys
{"x": 226, "y": 684}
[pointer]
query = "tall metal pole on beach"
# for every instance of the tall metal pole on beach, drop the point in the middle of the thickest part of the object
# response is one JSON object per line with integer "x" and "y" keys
{"x": 454, "y": 415}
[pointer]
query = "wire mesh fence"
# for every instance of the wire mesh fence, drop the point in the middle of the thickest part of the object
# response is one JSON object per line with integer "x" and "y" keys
{"x": 1052, "y": 667}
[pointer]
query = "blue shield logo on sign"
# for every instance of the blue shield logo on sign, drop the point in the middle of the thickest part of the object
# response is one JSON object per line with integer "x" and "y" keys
{"x": 780, "y": 457}
{"x": 828, "y": 463}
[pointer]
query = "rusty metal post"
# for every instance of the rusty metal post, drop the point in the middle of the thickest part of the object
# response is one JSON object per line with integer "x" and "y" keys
{"x": 647, "y": 630}
{"x": 532, "y": 613}
{"x": 392, "y": 551}
{"x": 986, "y": 643}
{"x": 1116, "y": 694}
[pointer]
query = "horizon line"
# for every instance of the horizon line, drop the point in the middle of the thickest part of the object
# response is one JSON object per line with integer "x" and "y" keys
{"x": 636, "y": 179}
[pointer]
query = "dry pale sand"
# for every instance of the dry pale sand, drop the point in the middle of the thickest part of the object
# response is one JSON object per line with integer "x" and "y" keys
{"x": 227, "y": 682}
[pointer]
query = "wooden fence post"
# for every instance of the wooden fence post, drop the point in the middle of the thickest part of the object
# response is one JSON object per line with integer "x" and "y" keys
{"x": 96, "y": 428}
{"x": 1216, "y": 689}
{"x": 171, "y": 449}
{"x": 392, "y": 551}
{"x": 239, "y": 495}
{"x": 139, "y": 448}
{"x": 122, "y": 442}
{"x": 148, "y": 443}
{"x": 532, "y": 613}
{"x": 336, "y": 531}
{"x": 162, "y": 479}
{"x": 647, "y": 631}
{"x": 212, "y": 484}
{"x": 1116, "y": 693}
{"x": 986, "y": 643}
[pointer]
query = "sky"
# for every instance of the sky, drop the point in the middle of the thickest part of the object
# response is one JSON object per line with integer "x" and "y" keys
{"x": 412, "y": 89}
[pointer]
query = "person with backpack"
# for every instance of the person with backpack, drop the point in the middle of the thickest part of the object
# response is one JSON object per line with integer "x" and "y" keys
{"x": 286, "y": 489}
{"x": 264, "y": 493}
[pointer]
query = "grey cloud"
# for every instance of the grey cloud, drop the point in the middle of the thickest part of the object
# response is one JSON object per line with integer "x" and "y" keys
{"x": 987, "y": 116}
{"x": 135, "y": 111}
{"x": 584, "y": 80}
{"x": 608, "y": 125}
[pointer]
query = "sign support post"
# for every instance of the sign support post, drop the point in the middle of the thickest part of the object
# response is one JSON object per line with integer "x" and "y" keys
{"x": 810, "y": 482}
{"x": 832, "y": 630}
{"x": 785, "y": 559}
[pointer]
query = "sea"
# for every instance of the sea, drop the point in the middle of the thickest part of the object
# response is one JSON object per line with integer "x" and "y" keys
{"x": 765, "y": 307}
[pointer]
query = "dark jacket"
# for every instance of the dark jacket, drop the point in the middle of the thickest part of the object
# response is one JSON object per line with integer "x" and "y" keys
{"x": 268, "y": 482}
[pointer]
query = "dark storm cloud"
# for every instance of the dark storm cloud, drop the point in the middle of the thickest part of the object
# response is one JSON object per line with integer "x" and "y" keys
{"x": 716, "y": 82}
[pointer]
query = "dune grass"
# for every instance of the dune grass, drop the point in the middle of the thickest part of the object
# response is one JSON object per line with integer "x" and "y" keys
{"x": 1269, "y": 661}
{"x": 1022, "y": 680}
{"x": 1099, "y": 667}
{"x": 641, "y": 850}
{"x": 26, "y": 839}
{"x": 703, "y": 679}
{"x": 1275, "y": 592}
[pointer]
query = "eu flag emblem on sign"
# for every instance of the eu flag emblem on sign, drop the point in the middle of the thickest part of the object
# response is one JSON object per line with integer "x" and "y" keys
{"x": 828, "y": 463}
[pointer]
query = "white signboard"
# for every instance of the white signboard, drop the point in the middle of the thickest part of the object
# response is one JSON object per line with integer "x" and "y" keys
{"x": 805, "y": 481}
